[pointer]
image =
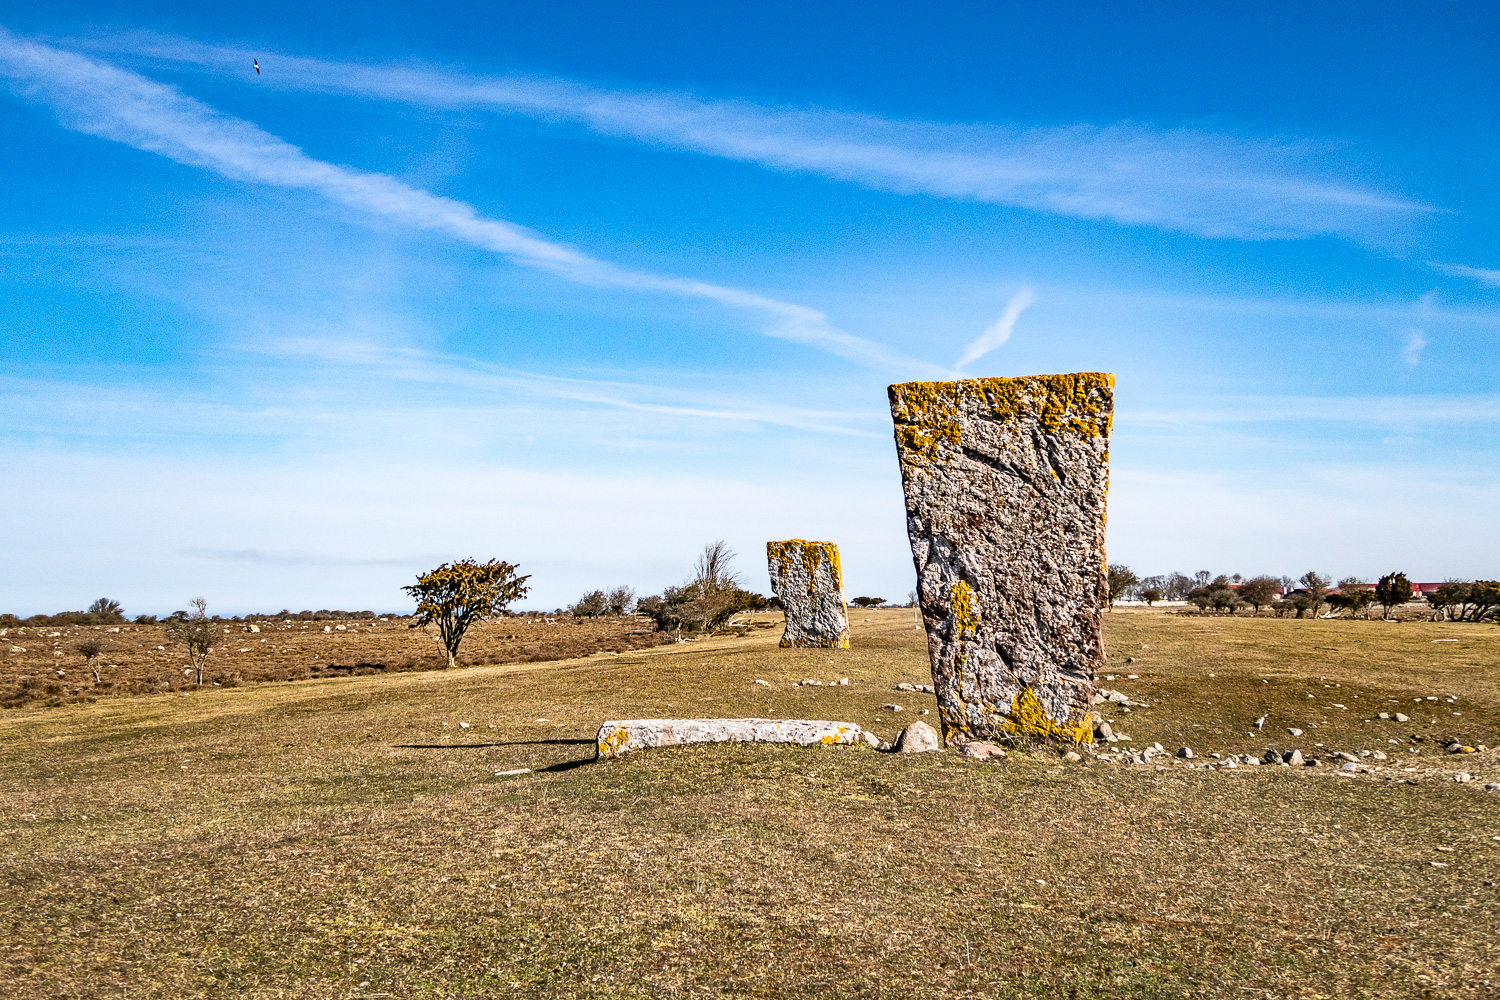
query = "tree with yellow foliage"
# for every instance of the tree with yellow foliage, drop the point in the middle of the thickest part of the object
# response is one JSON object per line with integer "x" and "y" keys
{"x": 456, "y": 595}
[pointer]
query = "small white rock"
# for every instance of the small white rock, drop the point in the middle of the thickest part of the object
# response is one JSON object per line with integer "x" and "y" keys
{"x": 513, "y": 772}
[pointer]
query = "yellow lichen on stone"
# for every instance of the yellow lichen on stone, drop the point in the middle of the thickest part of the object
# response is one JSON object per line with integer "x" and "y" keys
{"x": 965, "y": 611}
{"x": 1028, "y": 717}
{"x": 927, "y": 413}
{"x": 611, "y": 744}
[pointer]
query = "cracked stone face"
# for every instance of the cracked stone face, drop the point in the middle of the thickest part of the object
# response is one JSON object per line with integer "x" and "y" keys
{"x": 1005, "y": 483}
{"x": 807, "y": 579}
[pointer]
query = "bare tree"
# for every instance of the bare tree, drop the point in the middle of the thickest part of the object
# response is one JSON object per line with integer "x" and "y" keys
{"x": 1259, "y": 591}
{"x": 711, "y": 573}
{"x": 1316, "y": 586}
{"x": 107, "y": 612}
{"x": 621, "y": 600}
{"x": 197, "y": 632}
{"x": 90, "y": 649}
{"x": 1121, "y": 580}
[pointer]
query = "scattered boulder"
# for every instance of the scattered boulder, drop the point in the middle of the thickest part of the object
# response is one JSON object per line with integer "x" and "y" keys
{"x": 918, "y": 737}
{"x": 870, "y": 740}
{"x": 1186, "y": 753}
{"x": 1493, "y": 786}
{"x": 1103, "y": 730}
{"x": 906, "y": 686}
{"x": 893, "y": 708}
{"x": 1294, "y": 732}
{"x": 1292, "y": 758}
{"x": 1399, "y": 717}
{"x": 1348, "y": 767}
{"x": 1072, "y": 756}
{"x": 1463, "y": 777}
{"x": 979, "y": 750}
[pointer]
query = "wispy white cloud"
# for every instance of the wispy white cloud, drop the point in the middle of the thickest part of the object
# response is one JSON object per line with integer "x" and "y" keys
{"x": 103, "y": 100}
{"x": 1000, "y": 332}
{"x": 429, "y": 368}
{"x": 1411, "y": 351}
{"x": 1388, "y": 411}
{"x": 1213, "y": 185}
{"x": 1484, "y": 276}
{"x": 343, "y": 392}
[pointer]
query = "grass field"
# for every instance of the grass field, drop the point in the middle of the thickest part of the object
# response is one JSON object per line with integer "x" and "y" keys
{"x": 349, "y": 837}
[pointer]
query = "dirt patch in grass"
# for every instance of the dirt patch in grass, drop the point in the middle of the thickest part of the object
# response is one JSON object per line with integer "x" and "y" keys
{"x": 350, "y": 837}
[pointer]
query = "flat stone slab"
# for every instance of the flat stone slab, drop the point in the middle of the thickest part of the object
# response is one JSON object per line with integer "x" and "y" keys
{"x": 619, "y": 737}
{"x": 808, "y": 581}
{"x": 1005, "y": 482}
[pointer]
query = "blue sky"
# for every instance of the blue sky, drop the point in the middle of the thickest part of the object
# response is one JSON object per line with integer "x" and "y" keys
{"x": 585, "y": 286}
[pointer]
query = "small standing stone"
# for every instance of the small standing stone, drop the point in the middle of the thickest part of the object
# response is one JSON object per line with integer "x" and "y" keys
{"x": 807, "y": 579}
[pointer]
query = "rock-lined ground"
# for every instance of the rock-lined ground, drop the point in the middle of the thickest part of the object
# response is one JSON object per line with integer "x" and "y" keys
{"x": 41, "y": 664}
{"x": 447, "y": 833}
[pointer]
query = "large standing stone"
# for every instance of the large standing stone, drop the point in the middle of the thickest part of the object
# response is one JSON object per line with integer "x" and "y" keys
{"x": 1005, "y": 483}
{"x": 807, "y": 579}
{"x": 615, "y": 738}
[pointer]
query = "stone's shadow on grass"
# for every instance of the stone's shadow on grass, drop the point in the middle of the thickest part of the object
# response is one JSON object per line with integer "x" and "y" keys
{"x": 566, "y": 765}
{"x": 481, "y": 746}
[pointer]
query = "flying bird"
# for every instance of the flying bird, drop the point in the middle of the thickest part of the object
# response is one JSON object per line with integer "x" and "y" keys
{"x": 257, "y": 66}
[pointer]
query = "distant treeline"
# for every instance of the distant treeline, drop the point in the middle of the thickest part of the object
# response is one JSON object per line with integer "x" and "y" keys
{"x": 105, "y": 611}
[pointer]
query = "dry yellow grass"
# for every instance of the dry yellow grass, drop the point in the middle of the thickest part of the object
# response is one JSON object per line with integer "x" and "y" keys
{"x": 347, "y": 838}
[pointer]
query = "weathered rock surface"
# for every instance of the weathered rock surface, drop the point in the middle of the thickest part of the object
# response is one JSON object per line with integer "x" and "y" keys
{"x": 979, "y": 750}
{"x": 1005, "y": 485}
{"x": 807, "y": 579}
{"x": 618, "y": 737}
{"x": 918, "y": 737}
